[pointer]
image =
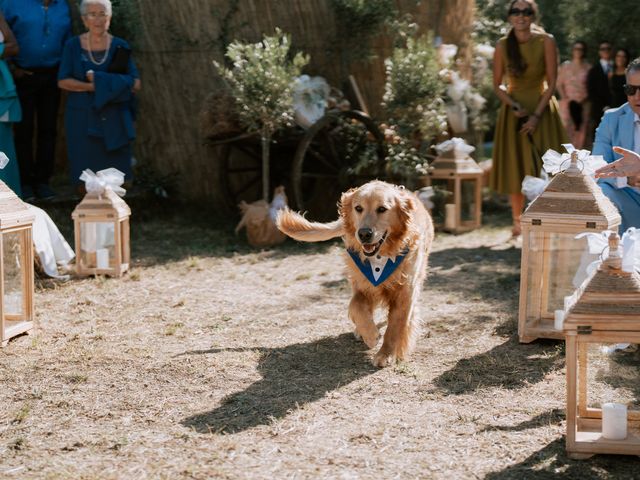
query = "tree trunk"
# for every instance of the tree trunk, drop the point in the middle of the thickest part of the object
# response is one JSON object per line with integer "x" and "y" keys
{"x": 266, "y": 143}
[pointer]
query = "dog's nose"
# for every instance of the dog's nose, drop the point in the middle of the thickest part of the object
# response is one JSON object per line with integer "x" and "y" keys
{"x": 365, "y": 235}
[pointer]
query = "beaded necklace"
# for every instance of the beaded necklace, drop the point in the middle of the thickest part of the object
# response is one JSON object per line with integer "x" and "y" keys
{"x": 106, "y": 51}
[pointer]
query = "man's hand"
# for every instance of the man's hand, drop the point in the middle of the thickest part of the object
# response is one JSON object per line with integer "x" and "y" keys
{"x": 627, "y": 166}
{"x": 633, "y": 181}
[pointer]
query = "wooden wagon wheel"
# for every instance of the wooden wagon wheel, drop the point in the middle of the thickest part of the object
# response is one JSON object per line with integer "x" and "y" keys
{"x": 237, "y": 169}
{"x": 238, "y": 166}
{"x": 328, "y": 160}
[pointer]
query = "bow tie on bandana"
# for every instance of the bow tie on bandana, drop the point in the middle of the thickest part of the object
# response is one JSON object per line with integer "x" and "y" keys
{"x": 377, "y": 268}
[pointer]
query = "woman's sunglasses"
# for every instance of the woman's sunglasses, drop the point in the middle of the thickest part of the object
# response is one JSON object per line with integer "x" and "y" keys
{"x": 631, "y": 90}
{"x": 527, "y": 12}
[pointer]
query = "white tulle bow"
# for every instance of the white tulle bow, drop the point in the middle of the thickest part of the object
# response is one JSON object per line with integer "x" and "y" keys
{"x": 457, "y": 145}
{"x": 598, "y": 243}
{"x": 554, "y": 162}
{"x": 534, "y": 186}
{"x": 109, "y": 178}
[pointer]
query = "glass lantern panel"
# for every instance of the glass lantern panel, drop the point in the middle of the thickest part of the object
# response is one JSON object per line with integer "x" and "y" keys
{"x": 97, "y": 244}
{"x": 557, "y": 265}
{"x": 443, "y": 194}
{"x": 12, "y": 259}
{"x": 612, "y": 376}
{"x": 468, "y": 200}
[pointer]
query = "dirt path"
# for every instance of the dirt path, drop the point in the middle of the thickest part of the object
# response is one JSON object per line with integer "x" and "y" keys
{"x": 211, "y": 360}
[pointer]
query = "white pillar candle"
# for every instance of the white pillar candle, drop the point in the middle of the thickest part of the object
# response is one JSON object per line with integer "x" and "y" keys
{"x": 558, "y": 319}
{"x": 614, "y": 421}
{"x": 102, "y": 258}
{"x": 450, "y": 216}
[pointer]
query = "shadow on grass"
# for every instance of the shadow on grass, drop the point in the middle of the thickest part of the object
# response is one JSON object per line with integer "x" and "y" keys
{"x": 509, "y": 366}
{"x": 552, "y": 417}
{"x": 552, "y": 462}
{"x": 292, "y": 376}
{"x": 481, "y": 271}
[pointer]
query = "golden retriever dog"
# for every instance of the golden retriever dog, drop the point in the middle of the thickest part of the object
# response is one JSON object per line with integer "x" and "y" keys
{"x": 388, "y": 234}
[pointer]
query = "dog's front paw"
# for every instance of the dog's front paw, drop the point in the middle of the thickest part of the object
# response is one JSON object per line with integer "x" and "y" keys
{"x": 383, "y": 359}
{"x": 370, "y": 338}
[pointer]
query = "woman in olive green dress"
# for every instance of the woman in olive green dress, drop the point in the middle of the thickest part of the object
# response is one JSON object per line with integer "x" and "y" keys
{"x": 529, "y": 122}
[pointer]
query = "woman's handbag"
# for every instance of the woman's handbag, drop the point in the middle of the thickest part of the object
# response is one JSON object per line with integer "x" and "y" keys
{"x": 120, "y": 61}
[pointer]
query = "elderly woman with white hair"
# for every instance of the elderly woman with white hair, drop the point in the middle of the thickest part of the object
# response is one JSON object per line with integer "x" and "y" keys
{"x": 98, "y": 72}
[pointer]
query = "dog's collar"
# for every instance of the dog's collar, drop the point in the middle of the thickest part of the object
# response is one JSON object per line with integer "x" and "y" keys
{"x": 377, "y": 268}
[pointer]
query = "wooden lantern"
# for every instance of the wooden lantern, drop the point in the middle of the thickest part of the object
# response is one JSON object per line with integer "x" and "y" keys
{"x": 572, "y": 203}
{"x": 101, "y": 224}
{"x": 457, "y": 182}
{"x": 606, "y": 310}
{"x": 16, "y": 268}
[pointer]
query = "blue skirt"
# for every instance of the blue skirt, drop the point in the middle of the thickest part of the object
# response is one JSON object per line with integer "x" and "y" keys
{"x": 85, "y": 151}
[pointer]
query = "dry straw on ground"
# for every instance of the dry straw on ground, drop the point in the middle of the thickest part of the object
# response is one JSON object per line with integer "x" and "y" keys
{"x": 211, "y": 360}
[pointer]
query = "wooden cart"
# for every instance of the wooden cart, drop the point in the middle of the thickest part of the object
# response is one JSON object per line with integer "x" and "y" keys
{"x": 314, "y": 165}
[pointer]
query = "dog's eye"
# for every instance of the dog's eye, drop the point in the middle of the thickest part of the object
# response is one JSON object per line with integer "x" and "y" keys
{"x": 381, "y": 209}
{"x": 359, "y": 209}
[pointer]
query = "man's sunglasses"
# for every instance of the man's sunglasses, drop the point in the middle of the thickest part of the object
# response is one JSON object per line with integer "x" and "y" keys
{"x": 630, "y": 90}
{"x": 527, "y": 12}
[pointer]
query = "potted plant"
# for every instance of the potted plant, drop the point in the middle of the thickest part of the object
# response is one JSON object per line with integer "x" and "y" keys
{"x": 261, "y": 79}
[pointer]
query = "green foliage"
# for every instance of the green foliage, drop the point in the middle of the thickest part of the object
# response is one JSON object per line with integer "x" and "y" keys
{"x": 414, "y": 90}
{"x": 360, "y": 21}
{"x": 405, "y": 160}
{"x": 125, "y": 22}
{"x": 261, "y": 80}
{"x": 594, "y": 22}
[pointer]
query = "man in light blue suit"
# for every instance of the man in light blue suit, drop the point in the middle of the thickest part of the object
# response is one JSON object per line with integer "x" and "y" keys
{"x": 621, "y": 127}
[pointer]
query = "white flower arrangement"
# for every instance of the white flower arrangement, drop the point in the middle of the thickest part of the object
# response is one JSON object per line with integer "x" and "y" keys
{"x": 310, "y": 99}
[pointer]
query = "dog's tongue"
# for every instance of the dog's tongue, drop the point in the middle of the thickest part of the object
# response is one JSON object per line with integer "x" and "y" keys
{"x": 369, "y": 247}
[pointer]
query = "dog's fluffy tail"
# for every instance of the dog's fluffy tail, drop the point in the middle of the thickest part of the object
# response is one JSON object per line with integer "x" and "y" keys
{"x": 298, "y": 227}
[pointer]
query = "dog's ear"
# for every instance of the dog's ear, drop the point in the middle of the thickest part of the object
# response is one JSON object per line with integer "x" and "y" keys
{"x": 345, "y": 207}
{"x": 346, "y": 202}
{"x": 405, "y": 207}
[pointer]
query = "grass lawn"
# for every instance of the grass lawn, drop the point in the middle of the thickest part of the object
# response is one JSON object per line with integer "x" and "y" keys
{"x": 213, "y": 360}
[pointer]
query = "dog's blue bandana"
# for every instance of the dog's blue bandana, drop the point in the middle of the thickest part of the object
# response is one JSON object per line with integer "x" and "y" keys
{"x": 377, "y": 268}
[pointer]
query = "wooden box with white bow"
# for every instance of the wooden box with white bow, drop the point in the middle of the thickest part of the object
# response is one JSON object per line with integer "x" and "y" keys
{"x": 101, "y": 226}
{"x": 457, "y": 180}
{"x": 16, "y": 266}
{"x": 603, "y": 408}
{"x": 572, "y": 203}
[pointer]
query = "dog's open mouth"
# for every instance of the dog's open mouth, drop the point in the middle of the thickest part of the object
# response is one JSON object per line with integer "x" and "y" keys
{"x": 371, "y": 249}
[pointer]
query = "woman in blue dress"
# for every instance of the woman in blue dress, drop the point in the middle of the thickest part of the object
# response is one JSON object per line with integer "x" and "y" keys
{"x": 101, "y": 78}
{"x": 10, "y": 111}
